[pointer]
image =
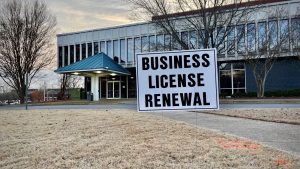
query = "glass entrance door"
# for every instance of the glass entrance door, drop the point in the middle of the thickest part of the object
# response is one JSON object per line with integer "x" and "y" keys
{"x": 113, "y": 90}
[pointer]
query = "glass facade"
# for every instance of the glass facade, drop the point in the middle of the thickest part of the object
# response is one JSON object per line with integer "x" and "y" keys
{"x": 242, "y": 39}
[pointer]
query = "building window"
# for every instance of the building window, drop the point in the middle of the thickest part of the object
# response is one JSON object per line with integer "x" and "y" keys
{"x": 168, "y": 43}
{"x": 83, "y": 50}
{"x": 116, "y": 50}
{"x": 284, "y": 35}
{"x": 193, "y": 40}
{"x": 145, "y": 44}
{"x": 232, "y": 78}
{"x": 77, "y": 52}
{"x": 122, "y": 51}
{"x": 90, "y": 49}
{"x": 251, "y": 40}
{"x": 60, "y": 56}
{"x": 273, "y": 35}
{"x": 102, "y": 46}
{"x": 262, "y": 36}
{"x": 137, "y": 45}
{"x": 221, "y": 42}
{"x": 66, "y": 54}
{"x": 296, "y": 34}
{"x": 130, "y": 50}
{"x": 109, "y": 49}
{"x": 201, "y": 35}
{"x": 175, "y": 44}
{"x": 241, "y": 47}
{"x": 160, "y": 42}
{"x": 231, "y": 41}
{"x": 185, "y": 38}
{"x": 96, "y": 48}
{"x": 152, "y": 42}
{"x": 71, "y": 54}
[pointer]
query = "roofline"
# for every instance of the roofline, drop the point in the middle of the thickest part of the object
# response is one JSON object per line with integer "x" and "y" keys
{"x": 101, "y": 29}
{"x": 90, "y": 70}
{"x": 225, "y": 7}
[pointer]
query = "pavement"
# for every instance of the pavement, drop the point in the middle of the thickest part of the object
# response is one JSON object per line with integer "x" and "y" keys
{"x": 285, "y": 137}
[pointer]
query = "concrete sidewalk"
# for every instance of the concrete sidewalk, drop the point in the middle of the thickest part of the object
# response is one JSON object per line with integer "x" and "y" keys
{"x": 284, "y": 137}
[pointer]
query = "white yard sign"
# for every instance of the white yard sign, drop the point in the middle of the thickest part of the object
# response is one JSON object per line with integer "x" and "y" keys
{"x": 177, "y": 80}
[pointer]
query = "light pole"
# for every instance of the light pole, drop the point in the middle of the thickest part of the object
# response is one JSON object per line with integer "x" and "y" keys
{"x": 26, "y": 91}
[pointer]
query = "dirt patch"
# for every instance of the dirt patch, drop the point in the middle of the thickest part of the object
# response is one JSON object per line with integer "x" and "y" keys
{"x": 279, "y": 115}
{"x": 123, "y": 139}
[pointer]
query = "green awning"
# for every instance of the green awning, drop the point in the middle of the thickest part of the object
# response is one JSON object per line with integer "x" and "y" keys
{"x": 93, "y": 64}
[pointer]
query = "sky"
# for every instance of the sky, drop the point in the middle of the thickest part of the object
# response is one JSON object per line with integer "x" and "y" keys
{"x": 77, "y": 15}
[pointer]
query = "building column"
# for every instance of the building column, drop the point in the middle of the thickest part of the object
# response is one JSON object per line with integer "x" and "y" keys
{"x": 95, "y": 87}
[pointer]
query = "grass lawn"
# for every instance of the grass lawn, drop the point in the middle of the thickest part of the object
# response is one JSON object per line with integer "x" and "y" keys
{"x": 123, "y": 139}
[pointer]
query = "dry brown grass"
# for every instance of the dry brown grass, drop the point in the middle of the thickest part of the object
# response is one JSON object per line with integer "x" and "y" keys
{"x": 123, "y": 139}
{"x": 280, "y": 115}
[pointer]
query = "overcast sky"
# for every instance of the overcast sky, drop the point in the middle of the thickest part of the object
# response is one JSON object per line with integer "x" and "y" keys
{"x": 76, "y": 15}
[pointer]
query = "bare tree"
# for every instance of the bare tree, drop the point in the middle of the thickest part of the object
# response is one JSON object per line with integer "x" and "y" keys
{"x": 211, "y": 20}
{"x": 68, "y": 81}
{"x": 26, "y": 33}
{"x": 273, "y": 41}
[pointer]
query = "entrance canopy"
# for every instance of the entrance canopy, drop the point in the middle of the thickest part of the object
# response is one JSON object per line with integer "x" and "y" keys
{"x": 99, "y": 64}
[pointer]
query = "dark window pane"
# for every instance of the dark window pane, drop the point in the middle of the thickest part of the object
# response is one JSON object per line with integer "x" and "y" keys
{"x": 201, "y": 36}
{"x": 122, "y": 51}
{"x": 226, "y": 92}
{"x": 225, "y": 79}
{"x": 71, "y": 54}
{"x": 77, "y": 52}
{"x": 238, "y": 79}
{"x": 90, "y": 49}
{"x": 96, "y": 48}
{"x": 225, "y": 66}
{"x": 60, "y": 56}
{"x": 66, "y": 52}
{"x": 238, "y": 65}
{"x": 175, "y": 43}
{"x": 83, "y": 50}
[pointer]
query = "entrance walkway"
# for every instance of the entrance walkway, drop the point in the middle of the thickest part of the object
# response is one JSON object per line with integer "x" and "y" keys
{"x": 284, "y": 137}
